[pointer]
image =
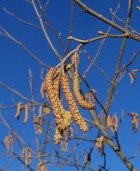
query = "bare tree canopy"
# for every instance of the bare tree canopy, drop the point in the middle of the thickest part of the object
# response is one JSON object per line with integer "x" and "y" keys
{"x": 69, "y": 85}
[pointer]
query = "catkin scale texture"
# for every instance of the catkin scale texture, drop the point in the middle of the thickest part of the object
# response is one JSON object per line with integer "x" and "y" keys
{"x": 67, "y": 118}
{"x": 51, "y": 94}
{"x": 76, "y": 88}
{"x": 72, "y": 105}
{"x": 63, "y": 118}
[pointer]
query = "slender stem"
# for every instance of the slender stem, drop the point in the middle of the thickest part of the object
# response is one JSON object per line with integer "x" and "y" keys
{"x": 107, "y": 21}
{"x": 45, "y": 32}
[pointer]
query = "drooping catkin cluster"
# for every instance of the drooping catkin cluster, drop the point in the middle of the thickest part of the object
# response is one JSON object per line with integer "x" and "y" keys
{"x": 62, "y": 117}
{"x": 76, "y": 88}
{"x": 72, "y": 105}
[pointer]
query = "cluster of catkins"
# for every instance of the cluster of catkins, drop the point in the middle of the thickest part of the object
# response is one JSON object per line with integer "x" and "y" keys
{"x": 62, "y": 117}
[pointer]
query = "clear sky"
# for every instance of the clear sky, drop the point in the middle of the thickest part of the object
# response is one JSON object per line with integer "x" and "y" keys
{"x": 15, "y": 64}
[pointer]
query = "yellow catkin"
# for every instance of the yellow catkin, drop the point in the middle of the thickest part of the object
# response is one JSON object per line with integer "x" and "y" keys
{"x": 65, "y": 114}
{"x": 57, "y": 136}
{"x": 52, "y": 90}
{"x": 19, "y": 109}
{"x": 41, "y": 167}
{"x": 26, "y": 113}
{"x": 81, "y": 101}
{"x": 46, "y": 110}
{"x": 72, "y": 105}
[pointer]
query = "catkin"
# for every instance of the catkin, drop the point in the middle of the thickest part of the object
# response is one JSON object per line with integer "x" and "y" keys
{"x": 57, "y": 136}
{"x": 72, "y": 105}
{"x": 63, "y": 118}
{"x": 65, "y": 114}
{"x": 76, "y": 88}
{"x": 20, "y": 107}
{"x": 26, "y": 113}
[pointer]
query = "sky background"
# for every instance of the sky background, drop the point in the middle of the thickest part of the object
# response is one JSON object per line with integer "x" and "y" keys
{"x": 15, "y": 64}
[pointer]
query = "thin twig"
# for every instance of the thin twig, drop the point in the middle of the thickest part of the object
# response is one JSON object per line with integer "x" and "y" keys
{"x": 44, "y": 31}
{"x": 23, "y": 46}
{"x": 107, "y": 21}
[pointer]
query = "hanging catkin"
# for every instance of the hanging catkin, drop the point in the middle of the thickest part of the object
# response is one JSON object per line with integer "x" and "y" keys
{"x": 62, "y": 117}
{"x": 81, "y": 101}
{"x": 67, "y": 118}
{"x": 72, "y": 105}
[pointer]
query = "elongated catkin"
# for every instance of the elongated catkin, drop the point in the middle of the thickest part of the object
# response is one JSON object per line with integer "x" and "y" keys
{"x": 67, "y": 118}
{"x": 76, "y": 88}
{"x": 72, "y": 105}
{"x": 52, "y": 90}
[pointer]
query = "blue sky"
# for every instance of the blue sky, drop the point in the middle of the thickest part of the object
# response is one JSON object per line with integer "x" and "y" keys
{"x": 15, "y": 64}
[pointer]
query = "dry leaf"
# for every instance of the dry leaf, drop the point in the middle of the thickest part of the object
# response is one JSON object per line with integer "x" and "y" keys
{"x": 132, "y": 75}
{"x": 26, "y": 154}
{"x": 99, "y": 144}
{"x": 87, "y": 158}
{"x": 8, "y": 141}
{"x": 38, "y": 121}
{"x": 112, "y": 123}
{"x": 135, "y": 119}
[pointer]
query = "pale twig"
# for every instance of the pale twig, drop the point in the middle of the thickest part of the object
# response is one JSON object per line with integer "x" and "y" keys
{"x": 114, "y": 81}
{"x": 103, "y": 35}
{"x": 132, "y": 29}
{"x": 31, "y": 83}
{"x": 44, "y": 31}
{"x": 11, "y": 130}
{"x": 103, "y": 72}
{"x": 71, "y": 24}
{"x": 102, "y": 42}
{"x": 19, "y": 19}
{"x": 130, "y": 62}
{"x": 69, "y": 54}
{"x": 47, "y": 22}
{"x": 17, "y": 93}
{"x": 14, "y": 155}
{"x": 23, "y": 46}
{"x": 136, "y": 152}
{"x": 109, "y": 141}
{"x": 105, "y": 20}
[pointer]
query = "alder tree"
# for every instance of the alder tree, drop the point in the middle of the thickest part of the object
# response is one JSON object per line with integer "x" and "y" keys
{"x": 69, "y": 85}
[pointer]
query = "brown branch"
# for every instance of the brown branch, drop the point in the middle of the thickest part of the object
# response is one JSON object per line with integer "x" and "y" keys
{"x": 107, "y": 21}
{"x": 47, "y": 22}
{"x": 103, "y": 35}
{"x": 109, "y": 141}
{"x": 114, "y": 81}
{"x": 19, "y": 19}
{"x": 44, "y": 31}
{"x": 71, "y": 24}
{"x": 17, "y": 93}
{"x": 130, "y": 62}
{"x": 23, "y": 46}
